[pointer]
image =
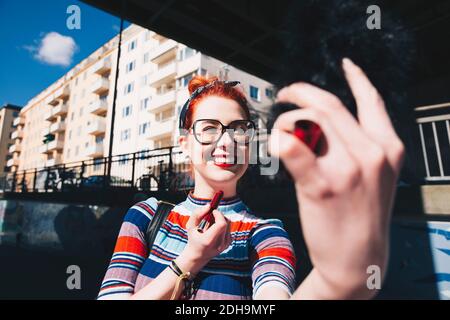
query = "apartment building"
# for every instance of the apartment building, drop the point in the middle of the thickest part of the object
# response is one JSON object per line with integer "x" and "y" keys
{"x": 70, "y": 121}
{"x": 10, "y": 130}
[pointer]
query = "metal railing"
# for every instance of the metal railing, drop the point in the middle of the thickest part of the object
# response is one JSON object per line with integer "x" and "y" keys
{"x": 162, "y": 169}
{"x": 434, "y": 132}
{"x": 148, "y": 170}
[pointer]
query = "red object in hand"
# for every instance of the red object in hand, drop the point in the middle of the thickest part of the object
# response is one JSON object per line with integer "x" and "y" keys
{"x": 208, "y": 220}
{"x": 309, "y": 133}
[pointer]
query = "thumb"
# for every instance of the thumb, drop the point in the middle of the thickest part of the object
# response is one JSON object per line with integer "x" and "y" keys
{"x": 197, "y": 216}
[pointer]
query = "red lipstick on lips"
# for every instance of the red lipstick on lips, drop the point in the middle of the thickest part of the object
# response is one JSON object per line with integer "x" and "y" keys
{"x": 224, "y": 165}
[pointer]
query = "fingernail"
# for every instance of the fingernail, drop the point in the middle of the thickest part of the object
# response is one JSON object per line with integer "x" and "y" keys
{"x": 346, "y": 62}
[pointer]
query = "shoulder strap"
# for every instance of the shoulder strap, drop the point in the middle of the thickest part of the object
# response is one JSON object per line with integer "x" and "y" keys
{"x": 162, "y": 211}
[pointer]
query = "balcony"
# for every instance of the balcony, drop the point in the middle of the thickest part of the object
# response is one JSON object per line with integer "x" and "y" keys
{"x": 52, "y": 162}
{"x": 49, "y": 116}
{"x": 51, "y": 146}
{"x": 98, "y": 107}
{"x": 19, "y": 121}
{"x": 57, "y": 127}
{"x": 12, "y": 162}
{"x": 45, "y": 131}
{"x": 15, "y": 148}
{"x": 95, "y": 150}
{"x": 51, "y": 100}
{"x": 60, "y": 109}
{"x": 62, "y": 93}
{"x": 18, "y": 134}
{"x": 96, "y": 126}
{"x": 166, "y": 50}
{"x": 161, "y": 101}
{"x": 189, "y": 65}
{"x": 100, "y": 86}
{"x": 102, "y": 67}
{"x": 55, "y": 145}
{"x": 159, "y": 129}
{"x": 163, "y": 75}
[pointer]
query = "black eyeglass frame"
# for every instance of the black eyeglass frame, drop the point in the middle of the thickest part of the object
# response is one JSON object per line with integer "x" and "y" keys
{"x": 224, "y": 128}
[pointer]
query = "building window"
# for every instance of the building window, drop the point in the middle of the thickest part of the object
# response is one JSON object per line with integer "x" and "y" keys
{"x": 98, "y": 164}
{"x": 147, "y": 35}
{"x": 132, "y": 45}
{"x": 144, "y": 80}
{"x": 144, "y": 104}
{"x": 269, "y": 93}
{"x": 126, "y": 111}
{"x": 123, "y": 159}
{"x": 128, "y": 88}
{"x": 131, "y": 66}
{"x": 186, "y": 53}
{"x": 77, "y": 149}
{"x": 72, "y": 115}
{"x": 81, "y": 111}
{"x": 125, "y": 134}
{"x": 146, "y": 57}
{"x": 141, "y": 154}
{"x": 254, "y": 93}
{"x": 143, "y": 127}
{"x": 79, "y": 131}
{"x": 184, "y": 81}
{"x": 99, "y": 139}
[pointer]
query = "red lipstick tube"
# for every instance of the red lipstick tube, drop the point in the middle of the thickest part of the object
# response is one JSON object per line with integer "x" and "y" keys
{"x": 208, "y": 220}
{"x": 309, "y": 133}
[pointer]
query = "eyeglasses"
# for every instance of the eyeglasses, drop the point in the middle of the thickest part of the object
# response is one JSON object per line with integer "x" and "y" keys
{"x": 194, "y": 94}
{"x": 208, "y": 131}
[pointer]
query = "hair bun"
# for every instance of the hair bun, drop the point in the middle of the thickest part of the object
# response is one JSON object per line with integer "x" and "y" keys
{"x": 199, "y": 81}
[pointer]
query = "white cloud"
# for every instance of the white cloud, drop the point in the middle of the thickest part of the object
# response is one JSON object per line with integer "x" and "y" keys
{"x": 54, "y": 49}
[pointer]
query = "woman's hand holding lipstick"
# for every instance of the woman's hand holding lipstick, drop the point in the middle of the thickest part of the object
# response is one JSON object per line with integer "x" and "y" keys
{"x": 345, "y": 191}
{"x": 204, "y": 245}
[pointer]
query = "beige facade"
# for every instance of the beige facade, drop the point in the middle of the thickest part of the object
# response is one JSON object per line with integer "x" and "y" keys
{"x": 70, "y": 120}
{"x": 10, "y": 135}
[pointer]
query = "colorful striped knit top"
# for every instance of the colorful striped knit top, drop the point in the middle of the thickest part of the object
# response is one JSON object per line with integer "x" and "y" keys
{"x": 260, "y": 254}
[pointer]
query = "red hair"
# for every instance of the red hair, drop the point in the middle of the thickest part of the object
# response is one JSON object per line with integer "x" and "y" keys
{"x": 218, "y": 89}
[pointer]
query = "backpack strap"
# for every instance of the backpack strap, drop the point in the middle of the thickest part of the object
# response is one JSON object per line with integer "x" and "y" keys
{"x": 160, "y": 216}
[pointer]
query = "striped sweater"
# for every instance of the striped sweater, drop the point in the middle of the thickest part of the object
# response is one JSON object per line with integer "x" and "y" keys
{"x": 260, "y": 254}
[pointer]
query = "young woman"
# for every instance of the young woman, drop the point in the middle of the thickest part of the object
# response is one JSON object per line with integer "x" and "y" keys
{"x": 345, "y": 197}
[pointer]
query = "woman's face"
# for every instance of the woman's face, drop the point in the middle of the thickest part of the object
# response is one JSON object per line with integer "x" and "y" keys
{"x": 223, "y": 161}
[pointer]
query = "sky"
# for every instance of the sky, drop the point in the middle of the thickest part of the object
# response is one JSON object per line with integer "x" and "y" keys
{"x": 37, "y": 47}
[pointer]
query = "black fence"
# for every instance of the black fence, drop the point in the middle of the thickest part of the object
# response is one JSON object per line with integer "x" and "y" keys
{"x": 149, "y": 170}
{"x": 163, "y": 169}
